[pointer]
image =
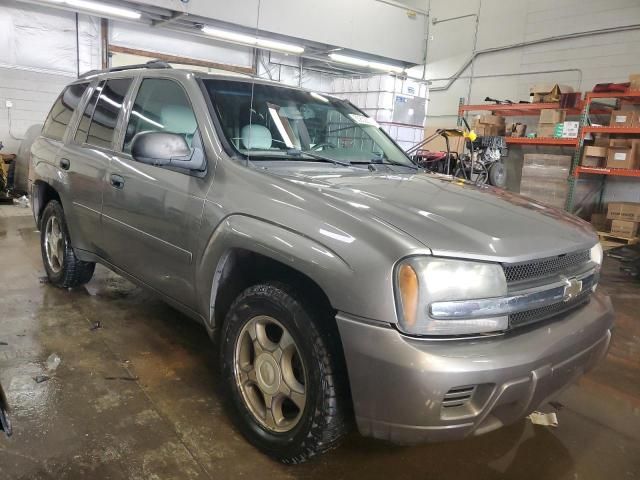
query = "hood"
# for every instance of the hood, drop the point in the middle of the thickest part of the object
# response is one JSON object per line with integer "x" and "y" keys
{"x": 450, "y": 216}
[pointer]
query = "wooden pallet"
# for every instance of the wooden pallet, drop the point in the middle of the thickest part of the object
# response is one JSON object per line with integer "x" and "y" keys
{"x": 608, "y": 240}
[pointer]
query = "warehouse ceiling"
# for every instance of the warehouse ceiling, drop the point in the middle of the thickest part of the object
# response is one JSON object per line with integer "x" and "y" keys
{"x": 315, "y": 54}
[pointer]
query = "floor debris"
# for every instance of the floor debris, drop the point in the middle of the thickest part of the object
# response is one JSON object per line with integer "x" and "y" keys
{"x": 96, "y": 326}
{"x": 544, "y": 419}
{"x": 41, "y": 378}
{"x": 53, "y": 362}
{"x": 131, "y": 379}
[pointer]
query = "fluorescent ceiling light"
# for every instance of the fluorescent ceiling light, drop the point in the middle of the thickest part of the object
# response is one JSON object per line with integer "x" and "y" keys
{"x": 386, "y": 67}
{"x": 251, "y": 40}
{"x": 99, "y": 8}
{"x": 336, "y": 57}
{"x": 360, "y": 62}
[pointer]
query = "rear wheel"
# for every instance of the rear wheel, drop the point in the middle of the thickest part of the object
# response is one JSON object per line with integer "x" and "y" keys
{"x": 498, "y": 174}
{"x": 60, "y": 262}
{"x": 281, "y": 375}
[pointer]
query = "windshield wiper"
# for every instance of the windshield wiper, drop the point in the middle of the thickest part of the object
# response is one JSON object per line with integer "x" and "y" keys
{"x": 376, "y": 162}
{"x": 298, "y": 153}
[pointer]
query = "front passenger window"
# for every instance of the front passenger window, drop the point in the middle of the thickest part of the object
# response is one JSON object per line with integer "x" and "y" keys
{"x": 160, "y": 106}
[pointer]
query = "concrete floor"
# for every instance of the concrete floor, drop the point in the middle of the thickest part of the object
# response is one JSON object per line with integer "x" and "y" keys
{"x": 139, "y": 397}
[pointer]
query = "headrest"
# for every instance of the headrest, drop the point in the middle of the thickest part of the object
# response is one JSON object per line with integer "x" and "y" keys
{"x": 178, "y": 119}
{"x": 255, "y": 137}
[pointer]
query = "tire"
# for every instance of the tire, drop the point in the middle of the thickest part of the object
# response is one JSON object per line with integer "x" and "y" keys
{"x": 63, "y": 268}
{"x": 314, "y": 425}
{"x": 498, "y": 175}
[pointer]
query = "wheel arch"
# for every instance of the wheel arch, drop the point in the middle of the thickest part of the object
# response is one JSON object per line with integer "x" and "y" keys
{"x": 245, "y": 250}
{"x": 42, "y": 194}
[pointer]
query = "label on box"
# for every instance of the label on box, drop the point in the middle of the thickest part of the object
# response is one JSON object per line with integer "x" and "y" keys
{"x": 621, "y": 118}
{"x": 620, "y": 156}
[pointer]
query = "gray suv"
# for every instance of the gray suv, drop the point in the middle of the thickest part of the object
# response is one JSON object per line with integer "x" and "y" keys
{"x": 340, "y": 281}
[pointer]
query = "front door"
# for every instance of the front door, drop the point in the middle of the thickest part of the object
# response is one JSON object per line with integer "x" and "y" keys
{"x": 151, "y": 214}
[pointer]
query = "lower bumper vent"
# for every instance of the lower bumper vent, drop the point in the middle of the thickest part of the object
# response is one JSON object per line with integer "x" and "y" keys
{"x": 458, "y": 396}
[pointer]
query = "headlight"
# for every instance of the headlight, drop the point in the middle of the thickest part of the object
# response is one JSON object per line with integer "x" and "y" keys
{"x": 596, "y": 254}
{"x": 421, "y": 281}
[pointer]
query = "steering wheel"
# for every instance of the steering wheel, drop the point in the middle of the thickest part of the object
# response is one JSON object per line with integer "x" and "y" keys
{"x": 328, "y": 146}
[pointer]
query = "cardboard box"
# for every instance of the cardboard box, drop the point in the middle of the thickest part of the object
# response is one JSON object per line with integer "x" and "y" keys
{"x": 438, "y": 144}
{"x": 601, "y": 140}
{"x": 483, "y": 130}
{"x": 546, "y": 130}
{"x": 593, "y": 156}
{"x": 517, "y": 130}
{"x": 491, "y": 120}
{"x": 619, "y": 142}
{"x": 546, "y": 93}
{"x": 634, "y": 81}
{"x": 623, "y": 118}
{"x": 623, "y": 228}
{"x": 628, "y": 211}
{"x": 621, "y": 157}
{"x": 552, "y": 115}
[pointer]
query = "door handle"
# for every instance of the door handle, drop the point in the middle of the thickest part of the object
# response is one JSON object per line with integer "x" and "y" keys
{"x": 117, "y": 181}
{"x": 65, "y": 163}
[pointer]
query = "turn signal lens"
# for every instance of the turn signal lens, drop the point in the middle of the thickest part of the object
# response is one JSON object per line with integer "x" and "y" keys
{"x": 408, "y": 286}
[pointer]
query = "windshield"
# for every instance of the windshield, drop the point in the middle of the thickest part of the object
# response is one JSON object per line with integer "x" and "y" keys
{"x": 266, "y": 122}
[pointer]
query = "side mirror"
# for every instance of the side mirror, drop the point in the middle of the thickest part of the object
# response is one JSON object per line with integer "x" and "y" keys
{"x": 166, "y": 149}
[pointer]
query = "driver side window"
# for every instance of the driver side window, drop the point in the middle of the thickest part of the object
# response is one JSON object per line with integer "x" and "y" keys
{"x": 161, "y": 105}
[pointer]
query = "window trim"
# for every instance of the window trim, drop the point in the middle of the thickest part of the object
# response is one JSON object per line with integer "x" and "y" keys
{"x": 134, "y": 96}
{"x": 116, "y": 129}
{"x": 71, "y": 123}
{"x": 72, "y": 138}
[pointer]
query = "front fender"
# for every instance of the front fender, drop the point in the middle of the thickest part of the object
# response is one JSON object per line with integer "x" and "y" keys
{"x": 324, "y": 266}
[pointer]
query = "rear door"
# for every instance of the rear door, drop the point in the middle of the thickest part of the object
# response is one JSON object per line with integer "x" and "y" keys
{"x": 151, "y": 214}
{"x": 45, "y": 149}
{"x": 86, "y": 157}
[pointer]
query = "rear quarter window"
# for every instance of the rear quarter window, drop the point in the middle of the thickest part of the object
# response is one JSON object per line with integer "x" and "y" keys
{"x": 60, "y": 115}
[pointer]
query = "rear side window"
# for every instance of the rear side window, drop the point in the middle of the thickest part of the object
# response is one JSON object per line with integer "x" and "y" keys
{"x": 161, "y": 105}
{"x": 106, "y": 112}
{"x": 60, "y": 115}
{"x": 85, "y": 121}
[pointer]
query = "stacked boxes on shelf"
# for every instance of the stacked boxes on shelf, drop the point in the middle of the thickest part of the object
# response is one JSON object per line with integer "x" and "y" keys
{"x": 619, "y": 151}
{"x": 625, "y": 218}
{"x": 489, "y": 126}
{"x": 544, "y": 178}
{"x": 552, "y": 124}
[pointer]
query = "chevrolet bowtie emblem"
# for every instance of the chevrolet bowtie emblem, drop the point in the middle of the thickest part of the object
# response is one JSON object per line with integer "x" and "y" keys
{"x": 572, "y": 290}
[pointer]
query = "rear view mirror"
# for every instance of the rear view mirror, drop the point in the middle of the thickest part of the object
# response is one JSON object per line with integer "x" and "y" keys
{"x": 166, "y": 149}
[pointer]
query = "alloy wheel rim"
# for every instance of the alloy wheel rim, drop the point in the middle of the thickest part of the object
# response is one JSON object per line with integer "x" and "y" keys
{"x": 270, "y": 374}
{"x": 54, "y": 244}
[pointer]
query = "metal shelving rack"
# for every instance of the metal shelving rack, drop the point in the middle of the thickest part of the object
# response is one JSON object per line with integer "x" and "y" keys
{"x": 522, "y": 110}
{"x": 585, "y": 128}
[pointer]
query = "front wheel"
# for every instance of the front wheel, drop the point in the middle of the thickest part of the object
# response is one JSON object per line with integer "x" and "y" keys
{"x": 63, "y": 268}
{"x": 281, "y": 375}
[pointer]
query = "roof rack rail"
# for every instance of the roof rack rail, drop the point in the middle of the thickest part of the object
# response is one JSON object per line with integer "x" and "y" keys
{"x": 153, "y": 64}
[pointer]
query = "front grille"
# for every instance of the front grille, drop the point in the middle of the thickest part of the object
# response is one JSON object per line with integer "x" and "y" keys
{"x": 521, "y": 319}
{"x": 458, "y": 396}
{"x": 546, "y": 267}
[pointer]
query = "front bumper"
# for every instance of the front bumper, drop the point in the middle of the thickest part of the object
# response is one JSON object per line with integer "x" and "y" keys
{"x": 399, "y": 383}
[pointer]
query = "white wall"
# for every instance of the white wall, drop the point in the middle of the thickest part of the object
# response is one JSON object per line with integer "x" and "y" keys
{"x": 37, "y": 58}
{"x": 592, "y": 59}
{"x": 599, "y": 58}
